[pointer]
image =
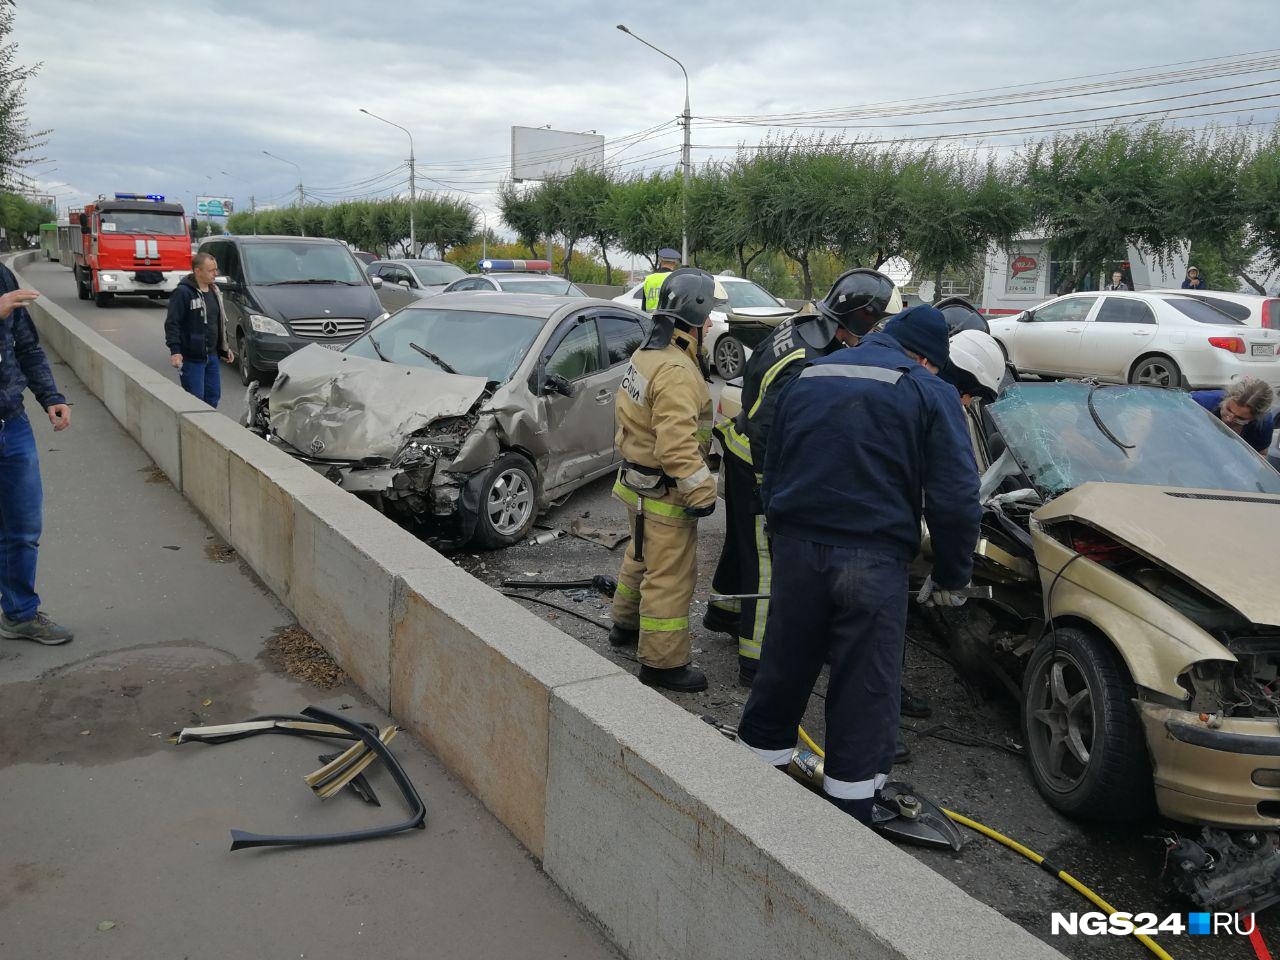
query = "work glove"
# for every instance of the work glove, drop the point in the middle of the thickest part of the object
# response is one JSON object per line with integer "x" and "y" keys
{"x": 706, "y": 511}
{"x": 934, "y": 596}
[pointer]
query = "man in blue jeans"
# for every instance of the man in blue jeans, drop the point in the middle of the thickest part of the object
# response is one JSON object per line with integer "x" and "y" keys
{"x": 23, "y": 366}
{"x": 195, "y": 330}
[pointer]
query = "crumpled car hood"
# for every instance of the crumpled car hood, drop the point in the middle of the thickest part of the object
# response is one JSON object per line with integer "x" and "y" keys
{"x": 342, "y": 407}
{"x": 1223, "y": 541}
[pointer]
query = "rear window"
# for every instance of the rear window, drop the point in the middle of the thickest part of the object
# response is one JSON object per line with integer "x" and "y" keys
{"x": 1236, "y": 311}
{"x": 1200, "y": 312}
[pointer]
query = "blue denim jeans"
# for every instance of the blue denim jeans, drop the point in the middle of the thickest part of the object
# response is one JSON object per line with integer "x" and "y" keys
{"x": 21, "y": 515}
{"x": 203, "y": 378}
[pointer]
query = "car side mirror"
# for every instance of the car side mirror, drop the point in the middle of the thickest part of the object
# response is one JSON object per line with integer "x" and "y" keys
{"x": 554, "y": 383}
{"x": 195, "y": 226}
{"x": 1026, "y": 316}
{"x": 224, "y": 282}
{"x": 404, "y": 283}
{"x": 376, "y": 281}
{"x": 84, "y": 223}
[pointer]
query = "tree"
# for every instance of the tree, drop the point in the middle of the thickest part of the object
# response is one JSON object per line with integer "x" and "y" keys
{"x": 1100, "y": 191}
{"x": 1261, "y": 188}
{"x": 521, "y": 212}
{"x": 444, "y": 222}
{"x": 17, "y": 141}
{"x": 644, "y": 212}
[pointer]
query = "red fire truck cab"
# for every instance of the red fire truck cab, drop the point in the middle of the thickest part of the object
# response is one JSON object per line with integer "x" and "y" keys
{"x": 134, "y": 244}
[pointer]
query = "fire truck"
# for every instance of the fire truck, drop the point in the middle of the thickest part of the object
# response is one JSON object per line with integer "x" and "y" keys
{"x": 133, "y": 244}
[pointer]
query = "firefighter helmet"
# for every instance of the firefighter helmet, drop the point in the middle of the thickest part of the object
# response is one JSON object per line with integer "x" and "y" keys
{"x": 857, "y": 301}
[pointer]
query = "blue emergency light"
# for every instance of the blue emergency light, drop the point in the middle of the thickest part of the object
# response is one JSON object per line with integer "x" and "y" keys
{"x": 513, "y": 266}
{"x": 156, "y": 197}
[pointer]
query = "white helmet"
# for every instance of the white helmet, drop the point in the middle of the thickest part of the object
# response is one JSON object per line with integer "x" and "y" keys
{"x": 978, "y": 364}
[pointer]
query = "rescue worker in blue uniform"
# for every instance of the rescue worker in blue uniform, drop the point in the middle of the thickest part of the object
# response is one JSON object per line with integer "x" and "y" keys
{"x": 864, "y": 441}
{"x": 856, "y": 302}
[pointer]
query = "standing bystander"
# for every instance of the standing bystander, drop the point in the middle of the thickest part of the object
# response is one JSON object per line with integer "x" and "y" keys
{"x": 195, "y": 331}
{"x": 23, "y": 366}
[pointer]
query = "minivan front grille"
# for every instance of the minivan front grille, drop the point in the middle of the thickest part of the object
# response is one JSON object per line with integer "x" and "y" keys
{"x": 336, "y": 328}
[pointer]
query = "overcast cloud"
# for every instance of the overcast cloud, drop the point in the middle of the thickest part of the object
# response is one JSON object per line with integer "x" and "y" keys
{"x": 161, "y": 97}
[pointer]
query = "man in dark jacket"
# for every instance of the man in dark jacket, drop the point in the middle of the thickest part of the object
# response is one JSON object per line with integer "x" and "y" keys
{"x": 23, "y": 366}
{"x": 864, "y": 442}
{"x": 195, "y": 331}
{"x": 1193, "y": 280}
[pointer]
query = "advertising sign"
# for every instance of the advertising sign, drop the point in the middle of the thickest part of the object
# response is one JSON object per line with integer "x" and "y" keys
{"x": 1023, "y": 278}
{"x": 214, "y": 206}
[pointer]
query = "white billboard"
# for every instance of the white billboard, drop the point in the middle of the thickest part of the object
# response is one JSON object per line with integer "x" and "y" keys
{"x": 214, "y": 206}
{"x": 541, "y": 154}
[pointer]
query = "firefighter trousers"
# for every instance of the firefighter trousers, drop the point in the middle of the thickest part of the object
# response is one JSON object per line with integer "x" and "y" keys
{"x": 745, "y": 565}
{"x": 655, "y": 590}
{"x": 851, "y": 605}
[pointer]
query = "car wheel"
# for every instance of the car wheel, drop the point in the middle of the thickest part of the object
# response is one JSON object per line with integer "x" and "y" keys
{"x": 82, "y": 289}
{"x": 103, "y": 299}
{"x": 508, "y": 502}
{"x": 244, "y": 363}
{"x": 1086, "y": 745}
{"x": 1156, "y": 371}
{"x": 729, "y": 357}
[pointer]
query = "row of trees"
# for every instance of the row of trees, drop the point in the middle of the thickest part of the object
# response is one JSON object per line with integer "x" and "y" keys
{"x": 21, "y": 218}
{"x": 810, "y": 200}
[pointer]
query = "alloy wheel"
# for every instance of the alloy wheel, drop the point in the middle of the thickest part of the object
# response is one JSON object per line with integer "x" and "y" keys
{"x": 729, "y": 357}
{"x": 510, "y": 502}
{"x": 1155, "y": 373}
{"x": 1061, "y": 712}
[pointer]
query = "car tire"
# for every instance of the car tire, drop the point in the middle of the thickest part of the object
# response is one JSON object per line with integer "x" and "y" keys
{"x": 729, "y": 357}
{"x": 245, "y": 366}
{"x": 508, "y": 503}
{"x": 103, "y": 299}
{"x": 82, "y": 289}
{"x": 1156, "y": 370}
{"x": 1077, "y": 698}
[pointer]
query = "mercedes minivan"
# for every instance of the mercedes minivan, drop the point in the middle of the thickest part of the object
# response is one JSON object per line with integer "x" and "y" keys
{"x": 282, "y": 293}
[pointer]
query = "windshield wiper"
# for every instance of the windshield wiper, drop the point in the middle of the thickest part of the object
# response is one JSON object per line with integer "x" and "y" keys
{"x": 279, "y": 283}
{"x": 1093, "y": 412}
{"x": 378, "y": 350}
{"x": 433, "y": 358}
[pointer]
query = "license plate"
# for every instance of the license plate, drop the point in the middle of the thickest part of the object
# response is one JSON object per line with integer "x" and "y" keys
{"x": 1263, "y": 350}
{"x": 339, "y": 346}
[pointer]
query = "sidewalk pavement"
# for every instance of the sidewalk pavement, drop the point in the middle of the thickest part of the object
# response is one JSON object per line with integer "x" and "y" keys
{"x": 114, "y": 844}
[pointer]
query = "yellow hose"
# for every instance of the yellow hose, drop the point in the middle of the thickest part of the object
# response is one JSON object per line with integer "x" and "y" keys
{"x": 1027, "y": 852}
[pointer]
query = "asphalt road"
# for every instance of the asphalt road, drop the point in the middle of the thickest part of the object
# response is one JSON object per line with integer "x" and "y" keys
{"x": 983, "y": 776}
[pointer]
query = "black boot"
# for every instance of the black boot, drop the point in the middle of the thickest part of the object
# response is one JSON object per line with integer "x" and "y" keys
{"x": 913, "y": 706}
{"x": 747, "y": 671}
{"x": 687, "y": 679}
{"x": 901, "y": 752}
{"x": 719, "y": 620}
{"x": 621, "y": 636}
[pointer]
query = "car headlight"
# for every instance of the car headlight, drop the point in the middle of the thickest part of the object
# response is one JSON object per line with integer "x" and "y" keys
{"x": 263, "y": 324}
{"x": 106, "y": 278}
{"x": 379, "y": 318}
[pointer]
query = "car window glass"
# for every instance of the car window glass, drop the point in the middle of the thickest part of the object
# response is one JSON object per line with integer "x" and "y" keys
{"x": 1200, "y": 311}
{"x": 622, "y": 337}
{"x": 1063, "y": 311}
{"x": 1236, "y": 311}
{"x": 219, "y": 253}
{"x": 285, "y": 261}
{"x": 744, "y": 293}
{"x": 437, "y": 274}
{"x": 475, "y": 344}
{"x": 578, "y": 353}
{"x": 229, "y": 265}
{"x": 1124, "y": 310}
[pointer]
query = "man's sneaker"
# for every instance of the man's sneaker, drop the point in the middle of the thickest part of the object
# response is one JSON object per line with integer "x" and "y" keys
{"x": 40, "y": 629}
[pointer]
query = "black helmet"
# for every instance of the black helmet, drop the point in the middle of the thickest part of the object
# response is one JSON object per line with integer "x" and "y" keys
{"x": 686, "y": 299}
{"x": 854, "y": 291}
{"x": 961, "y": 315}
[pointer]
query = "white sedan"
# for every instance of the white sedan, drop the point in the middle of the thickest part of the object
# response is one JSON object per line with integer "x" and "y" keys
{"x": 1163, "y": 339}
{"x": 748, "y": 302}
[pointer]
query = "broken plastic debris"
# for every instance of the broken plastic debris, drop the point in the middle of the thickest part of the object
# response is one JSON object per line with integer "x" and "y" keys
{"x": 106, "y": 925}
{"x": 207, "y": 701}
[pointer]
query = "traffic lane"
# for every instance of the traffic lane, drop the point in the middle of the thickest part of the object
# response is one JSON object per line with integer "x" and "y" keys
{"x": 134, "y": 324}
{"x": 983, "y": 776}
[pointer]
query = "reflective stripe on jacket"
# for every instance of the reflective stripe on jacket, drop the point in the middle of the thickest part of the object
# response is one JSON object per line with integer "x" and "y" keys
{"x": 652, "y": 287}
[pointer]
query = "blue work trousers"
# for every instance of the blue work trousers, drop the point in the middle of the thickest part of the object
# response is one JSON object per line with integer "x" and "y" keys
{"x": 850, "y": 605}
{"x": 203, "y": 378}
{"x": 21, "y": 517}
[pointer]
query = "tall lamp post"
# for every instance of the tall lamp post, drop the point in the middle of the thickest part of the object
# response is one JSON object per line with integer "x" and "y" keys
{"x": 253, "y": 205}
{"x": 413, "y": 195}
{"x": 302, "y": 202}
{"x": 685, "y": 153}
{"x": 484, "y": 237}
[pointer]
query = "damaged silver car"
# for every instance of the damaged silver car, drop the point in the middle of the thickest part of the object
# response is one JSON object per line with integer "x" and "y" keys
{"x": 464, "y": 415}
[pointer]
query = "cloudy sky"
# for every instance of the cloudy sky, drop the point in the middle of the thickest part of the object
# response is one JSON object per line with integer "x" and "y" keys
{"x": 164, "y": 97}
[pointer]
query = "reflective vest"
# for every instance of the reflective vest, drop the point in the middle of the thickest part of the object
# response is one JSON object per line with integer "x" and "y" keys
{"x": 652, "y": 287}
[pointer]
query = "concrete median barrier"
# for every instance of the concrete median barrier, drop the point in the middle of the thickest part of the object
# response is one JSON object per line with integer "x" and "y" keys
{"x": 677, "y": 842}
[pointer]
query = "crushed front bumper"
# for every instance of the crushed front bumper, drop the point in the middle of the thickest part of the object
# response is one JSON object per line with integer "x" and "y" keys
{"x": 1214, "y": 775}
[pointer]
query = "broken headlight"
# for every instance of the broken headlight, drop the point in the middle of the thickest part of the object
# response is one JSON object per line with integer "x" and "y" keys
{"x": 441, "y": 441}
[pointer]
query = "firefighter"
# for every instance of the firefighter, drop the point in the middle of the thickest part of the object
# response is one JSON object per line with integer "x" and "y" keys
{"x": 668, "y": 260}
{"x": 857, "y": 301}
{"x": 866, "y": 441}
{"x": 664, "y": 421}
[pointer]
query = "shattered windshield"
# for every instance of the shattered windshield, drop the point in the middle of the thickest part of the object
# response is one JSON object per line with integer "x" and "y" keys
{"x": 1158, "y": 437}
{"x": 475, "y": 344}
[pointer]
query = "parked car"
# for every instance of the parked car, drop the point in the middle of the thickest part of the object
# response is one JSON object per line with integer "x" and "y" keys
{"x": 364, "y": 256}
{"x": 404, "y": 281}
{"x": 1162, "y": 339}
{"x": 516, "y": 282}
{"x": 464, "y": 414}
{"x": 750, "y": 308}
{"x": 284, "y": 293}
{"x": 1248, "y": 308}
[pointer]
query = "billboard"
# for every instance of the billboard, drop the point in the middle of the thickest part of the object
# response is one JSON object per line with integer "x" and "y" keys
{"x": 541, "y": 154}
{"x": 214, "y": 206}
{"x": 1023, "y": 278}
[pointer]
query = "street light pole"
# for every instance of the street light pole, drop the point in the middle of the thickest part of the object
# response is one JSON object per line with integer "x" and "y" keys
{"x": 302, "y": 202}
{"x": 686, "y": 151}
{"x": 253, "y": 205}
{"x": 484, "y": 237}
{"x": 413, "y": 195}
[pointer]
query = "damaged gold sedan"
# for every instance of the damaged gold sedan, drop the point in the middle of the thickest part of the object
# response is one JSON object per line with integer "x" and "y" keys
{"x": 464, "y": 415}
{"x": 1128, "y": 539}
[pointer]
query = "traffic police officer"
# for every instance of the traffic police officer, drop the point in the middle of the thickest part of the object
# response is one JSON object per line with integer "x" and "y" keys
{"x": 668, "y": 260}
{"x": 664, "y": 428}
{"x": 857, "y": 301}
{"x": 862, "y": 439}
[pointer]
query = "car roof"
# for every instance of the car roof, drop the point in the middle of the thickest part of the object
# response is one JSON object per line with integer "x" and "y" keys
{"x": 526, "y": 304}
{"x": 1234, "y": 296}
{"x": 410, "y": 261}
{"x": 519, "y": 275}
{"x": 275, "y": 239}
